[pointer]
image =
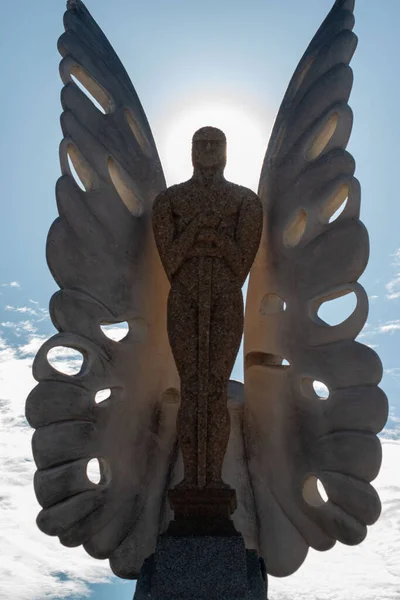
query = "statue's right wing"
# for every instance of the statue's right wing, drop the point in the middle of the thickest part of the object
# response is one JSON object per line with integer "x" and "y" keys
{"x": 102, "y": 254}
{"x": 294, "y": 434}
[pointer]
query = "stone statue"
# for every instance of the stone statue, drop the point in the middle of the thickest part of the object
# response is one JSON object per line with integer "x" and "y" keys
{"x": 284, "y": 438}
{"x": 207, "y": 231}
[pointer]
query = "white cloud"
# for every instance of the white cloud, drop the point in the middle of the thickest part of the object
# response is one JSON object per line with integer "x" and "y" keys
{"x": 394, "y": 374}
{"x": 389, "y": 327}
{"x": 22, "y": 309}
{"x": 32, "y": 346}
{"x": 38, "y": 312}
{"x": 31, "y": 561}
{"x": 20, "y": 327}
{"x": 382, "y": 328}
{"x": 365, "y": 572}
{"x": 12, "y": 284}
{"x": 394, "y": 371}
{"x": 393, "y": 287}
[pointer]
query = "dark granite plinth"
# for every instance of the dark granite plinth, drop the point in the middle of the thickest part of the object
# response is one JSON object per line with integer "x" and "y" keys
{"x": 201, "y": 568}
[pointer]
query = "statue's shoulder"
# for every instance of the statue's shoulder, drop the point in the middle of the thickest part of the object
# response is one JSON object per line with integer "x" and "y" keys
{"x": 243, "y": 193}
{"x": 164, "y": 198}
{"x": 172, "y": 192}
{"x": 166, "y": 194}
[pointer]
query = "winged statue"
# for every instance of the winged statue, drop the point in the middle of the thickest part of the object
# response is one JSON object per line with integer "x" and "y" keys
{"x": 284, "y": 439}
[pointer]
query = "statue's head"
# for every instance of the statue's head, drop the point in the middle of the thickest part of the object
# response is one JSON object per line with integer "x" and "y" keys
{"x": 209, "y": 149}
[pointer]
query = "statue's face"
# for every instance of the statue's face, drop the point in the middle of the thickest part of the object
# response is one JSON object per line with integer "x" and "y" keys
{"x": 209, "y": 148}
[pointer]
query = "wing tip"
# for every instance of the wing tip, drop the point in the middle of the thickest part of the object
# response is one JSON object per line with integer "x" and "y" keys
{"x": 74, "y": 4}
{"x": 75, "y": 8}
{"x": 345, "y": 4}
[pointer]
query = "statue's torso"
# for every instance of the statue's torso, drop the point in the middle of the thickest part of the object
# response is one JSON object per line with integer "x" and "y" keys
{"x": 188, "y": 201}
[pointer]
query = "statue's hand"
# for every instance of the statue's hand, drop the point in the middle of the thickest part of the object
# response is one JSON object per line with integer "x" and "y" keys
{"x": 208, "y": 236}
{"x": 210, "y": 220}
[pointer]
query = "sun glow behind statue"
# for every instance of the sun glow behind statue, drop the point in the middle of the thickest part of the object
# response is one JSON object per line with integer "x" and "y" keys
{"x": 247, "y": 138}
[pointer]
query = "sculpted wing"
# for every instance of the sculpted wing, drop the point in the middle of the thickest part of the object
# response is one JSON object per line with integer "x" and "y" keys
{"x": 293, "y": 437}
{"x": 101, "y": 253}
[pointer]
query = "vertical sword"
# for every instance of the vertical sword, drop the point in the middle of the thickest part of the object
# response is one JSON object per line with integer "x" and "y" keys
{"x": 205, "y": 280}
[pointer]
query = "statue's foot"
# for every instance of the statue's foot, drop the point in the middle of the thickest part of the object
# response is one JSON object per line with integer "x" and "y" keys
{"x": 186, "y": 484}
{"x": 217, "y": 484}
{"x": 189, "y": 483}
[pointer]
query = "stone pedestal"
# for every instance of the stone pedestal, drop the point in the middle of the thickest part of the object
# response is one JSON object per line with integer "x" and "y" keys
{"x": 202, "y": 512}
{"x": 203, "y": 503}
{"x": 201, "y": 568}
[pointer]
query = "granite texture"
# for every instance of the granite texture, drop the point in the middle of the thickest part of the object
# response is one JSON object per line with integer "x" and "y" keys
{"x": 207, "y": 231}
{"x": 201, "y": 568}
{"x": 101, "y": 251}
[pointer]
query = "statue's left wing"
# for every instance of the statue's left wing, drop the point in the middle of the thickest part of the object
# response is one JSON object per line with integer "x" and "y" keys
{"x": 296, "y": 437}
{"x": 102, "y": 254}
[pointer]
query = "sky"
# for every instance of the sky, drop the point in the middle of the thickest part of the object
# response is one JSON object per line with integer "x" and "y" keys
{"x": 193, "y": 63}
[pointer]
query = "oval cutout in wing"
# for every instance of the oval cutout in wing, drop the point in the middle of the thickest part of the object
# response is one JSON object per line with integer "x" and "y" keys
{"x": 321, "y": 390}
{"x": 98, "y": 471}
{"x": 92, "y": 90}
{"x": 93, "y": 471}
{"x": 314, "y": 389}
{"x": 124, "y": 187}
{"x": 67, "y": 361}
{"x": 264, "y": 359}
{"x": 102, "y": 395}
{"x": 272, "y": 304}
{"x": 295, "y": 229}
{"x": 337, "y": 308}
{"x": 137, "y": 131}
{"x": 335, "y": 205}
{"x": 115, "y": 331}
{"x": 79, "y": 170}
{"x": 74, "y": 173}
{"x": 323, "y": 137}
{"x": 314, "y": 492}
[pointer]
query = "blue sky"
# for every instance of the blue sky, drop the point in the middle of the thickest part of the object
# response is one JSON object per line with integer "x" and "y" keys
{"x": 185, "y": 56}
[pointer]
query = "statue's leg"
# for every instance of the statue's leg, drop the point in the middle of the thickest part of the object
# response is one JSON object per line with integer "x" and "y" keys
{"x": 226, "y": 334}
{"x": 182, "y": 333}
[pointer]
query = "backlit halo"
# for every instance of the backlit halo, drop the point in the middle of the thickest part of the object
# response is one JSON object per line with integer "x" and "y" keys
{"x": 247, "y": 138}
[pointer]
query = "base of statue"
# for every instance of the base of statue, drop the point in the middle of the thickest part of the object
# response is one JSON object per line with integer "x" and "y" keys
{"x": 202, "y": 511}
{"x": 202, "y": 568}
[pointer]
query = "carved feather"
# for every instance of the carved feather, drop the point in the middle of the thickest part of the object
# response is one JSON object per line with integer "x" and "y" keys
{"x": 293, "y": 437}
{"x": 101, "y": 252}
